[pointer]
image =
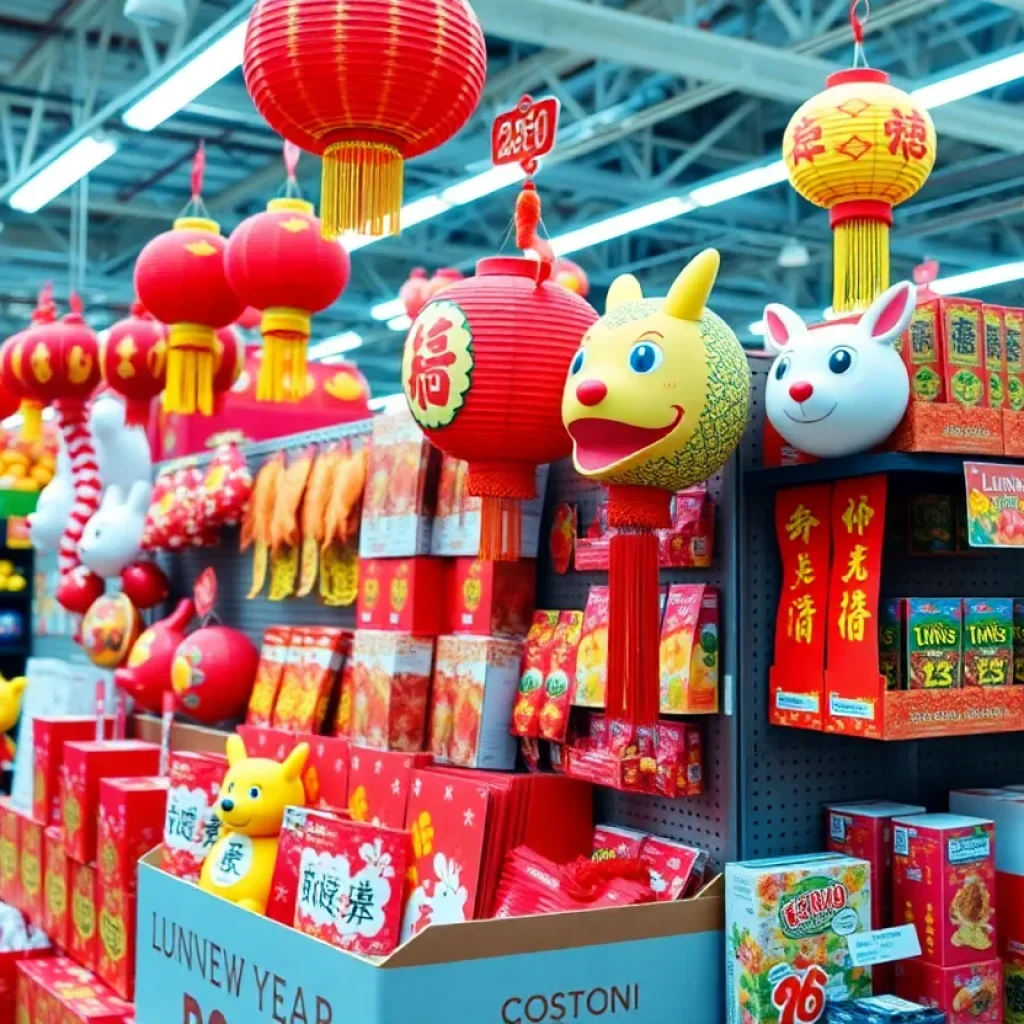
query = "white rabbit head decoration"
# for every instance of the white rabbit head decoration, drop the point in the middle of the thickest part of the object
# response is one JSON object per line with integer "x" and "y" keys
{"x": 113, "y": 536}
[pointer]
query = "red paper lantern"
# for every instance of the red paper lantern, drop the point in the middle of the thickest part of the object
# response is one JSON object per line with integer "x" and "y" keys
{"x": 279, "y": 262}
{"x": 367, "y": 85}
{"x": 250, "y": 319}
{"x": 228, "y": 360}
{"x": 213, "y": 672}
{"x": 133, "y": 358}
{"x": 415, "y": 292}
{"x": 483, "y": 370}
{"x": 180, "y": 278}
{"x": 443, "y": 278}
{"x": 12, "y": 362}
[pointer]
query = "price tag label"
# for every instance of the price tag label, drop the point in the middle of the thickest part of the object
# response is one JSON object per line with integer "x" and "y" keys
{"x": 800, "y": 998}
{"x": 883, "y": 946}
{"x": 526, "y": 133}
{"x": 205, "y": 592}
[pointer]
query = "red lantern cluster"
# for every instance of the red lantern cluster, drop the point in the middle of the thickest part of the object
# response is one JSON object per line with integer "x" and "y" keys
{"x": 279, "y": 262}
{"x": 406, "y": 78}
{"x": 133, "y": 358}
{"x": 60, "y": 361}
{"x": 12, "y": 363}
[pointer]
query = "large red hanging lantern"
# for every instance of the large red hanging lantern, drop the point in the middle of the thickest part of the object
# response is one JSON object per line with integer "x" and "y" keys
{"x": 180, "y": 278}
{"x": 133, "y": 359}
{"x": 279, "y": 262}
{"x": 483, "y": 370}
{"x": 12, "y": 364}
{"x": 367, "y": 85}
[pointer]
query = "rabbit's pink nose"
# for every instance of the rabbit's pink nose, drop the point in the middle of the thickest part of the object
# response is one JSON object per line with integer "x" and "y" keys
{"x": 591, "y": 392}
{"x": 800, "y": 391}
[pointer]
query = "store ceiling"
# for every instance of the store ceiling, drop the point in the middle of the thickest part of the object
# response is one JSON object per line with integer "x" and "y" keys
{"x": 649, "y": 111}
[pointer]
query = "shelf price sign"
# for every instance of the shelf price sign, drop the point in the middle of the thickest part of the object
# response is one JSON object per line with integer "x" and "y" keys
{"x": 995, "y": 504}
{"x": 525, "y": 133}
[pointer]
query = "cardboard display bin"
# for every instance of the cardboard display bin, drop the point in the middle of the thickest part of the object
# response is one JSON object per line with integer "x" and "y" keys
{"x": 201, "y": 959}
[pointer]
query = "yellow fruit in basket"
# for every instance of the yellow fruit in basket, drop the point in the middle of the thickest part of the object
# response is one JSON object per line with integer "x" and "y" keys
{"x": 17, "y": 470}
{"x": 46, "y": 461}
{"x": 41, "y": 475}
{"x": 13, "y": 457}
{"x": 6, "y": 568}
{"x": 26, "y": 483}
{"x": 16, "y": 584}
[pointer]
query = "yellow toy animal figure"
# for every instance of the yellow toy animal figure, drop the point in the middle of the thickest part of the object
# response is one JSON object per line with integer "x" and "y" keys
{"x": 10, "y": 710}
{"x": 252, "y": 800}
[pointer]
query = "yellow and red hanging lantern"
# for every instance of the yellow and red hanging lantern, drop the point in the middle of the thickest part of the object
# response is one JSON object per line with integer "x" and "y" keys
{"x": 279, "y": 262}
{"x": 367, "y": 85}
{"x": 858, "y": 149}
{"x": 12, "y": 364}
{"x": 181, "y": 279}
{"x": 133, "y": 358}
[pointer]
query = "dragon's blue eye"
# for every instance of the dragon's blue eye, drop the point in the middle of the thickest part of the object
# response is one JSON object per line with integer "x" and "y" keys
{"x": 577, "y": 362}
{"x": 645, "y": 357}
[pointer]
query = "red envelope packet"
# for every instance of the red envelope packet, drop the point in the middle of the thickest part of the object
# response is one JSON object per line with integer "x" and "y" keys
{"x": 378, "y": 784}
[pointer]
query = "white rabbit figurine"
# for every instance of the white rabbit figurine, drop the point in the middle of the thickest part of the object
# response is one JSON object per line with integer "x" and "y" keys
{"x": 113, "y": 536}
{"x": 123, "y": 452}
{"x": 47, "y": 523}
{"x": 840, "y": 388}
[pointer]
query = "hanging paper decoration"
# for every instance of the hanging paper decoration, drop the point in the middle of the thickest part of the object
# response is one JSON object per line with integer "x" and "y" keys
{"x": 655, "y": 400}
{"x": 483, "y": 370}
{"x": 12, "y": 364}
{"x": 368, "y": 85}
{"x": 180, "y": 278}
{"x": 415, "y": 292}
{"x": 443, "y": 278}
{"x": 858, "y": 149}
{"x": 133, "y": 358}
{"x": 572, "y": 276}
{"x": 278, "y": 261}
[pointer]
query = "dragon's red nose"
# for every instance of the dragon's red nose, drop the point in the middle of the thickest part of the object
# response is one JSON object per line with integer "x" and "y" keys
{"x": 591, "y": 392}
{"x": 801, "y": 391}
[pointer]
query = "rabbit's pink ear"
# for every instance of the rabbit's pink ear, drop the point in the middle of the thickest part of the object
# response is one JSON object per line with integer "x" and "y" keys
{"x": 888, "y": 316}
{"x": 781, "y": 325}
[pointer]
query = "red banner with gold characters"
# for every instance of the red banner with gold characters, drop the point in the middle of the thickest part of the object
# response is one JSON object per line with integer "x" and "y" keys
{"x": 802, "y": 525}
{"x": 852, "y": 670}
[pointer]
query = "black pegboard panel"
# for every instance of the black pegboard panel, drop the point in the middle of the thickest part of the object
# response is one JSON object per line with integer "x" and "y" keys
{"x": 707, "y": 821}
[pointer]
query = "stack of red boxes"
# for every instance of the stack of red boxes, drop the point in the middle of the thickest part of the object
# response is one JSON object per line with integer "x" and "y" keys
{"x": 56, "y": 990}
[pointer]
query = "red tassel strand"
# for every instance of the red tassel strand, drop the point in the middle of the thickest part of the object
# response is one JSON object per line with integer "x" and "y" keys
{"x": 528, "y": 218}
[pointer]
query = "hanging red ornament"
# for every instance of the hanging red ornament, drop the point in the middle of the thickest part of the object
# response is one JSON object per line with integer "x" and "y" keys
{"x": 250, "y": 319}
{"x": 572, "y": 276}
{"x": 278, "y": 261}
{"x": 180, "y": 278}
{"x": 12, "y": 365}
{"x": 442, "y": 278}
{"x": 133, "y": 358}
{"x": 483, "y": 370}
{"x": 415, "y": 292}
{"x": 228, "y": 361}
{"x": 367, "y": 85}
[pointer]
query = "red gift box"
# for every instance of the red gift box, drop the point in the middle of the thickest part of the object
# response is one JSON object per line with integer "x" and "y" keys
{"x": 115, "y": 949}
{"x": 378, "y": 784}
{"x": 10, "y": 850}
{"x": 65, "y": 993}
{"x": 83, "y": 941}
{"x": 613, "y": 842}
{"x": 56, "y": 885}
{"x": 309, "y": 677}
{"x": 677, "y": 870}
{"x": 85, "y": 763}
{"x": 49, "y": 734}
{"x": 30, "y": 867}
{"x": 10, "y": 1007}
{"x": 351, "y": 885}
{"x": 492, "y": 598}
{"x": 969, "y": 994}
{"x": 191, "y": 827}
{"x": 274, "y": 653}
{"x": 402, "y": 594}
{"x": 325, "y": 776}
{"x": 132, "y": 813}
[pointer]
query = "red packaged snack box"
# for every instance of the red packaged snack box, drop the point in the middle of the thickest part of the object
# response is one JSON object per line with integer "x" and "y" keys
{"x": 85, "y": 763}
{"x": 309, "y": 678}
{"x": 560, "y": 679}
{"x": 864, "y": 830}
{"x": 44, "y": 982}
{"x": 679, "y": 760}
{"x": 968, "y": 994}
{"x": 592, "y": 658}
{"x": 922, "y": 350}
{"x": 30, "y": 868}
{"x": 944, "y": 884}
{"x": 690, "y": 541}
{"x": 1013, "y": 321}
{"x": 492, "y": 598}
{"x": 373, "y": 601}
{"x": 532, "y": 670}
{"x": 615, "y": 842}
{"x": 132, "y": 815}
{"x": 994, "y": 320}
{"x": 414, "y": 597}
{"x": 677, "y": 870}
{"x": 83, "y": 941}
{"x": 10, "y": 848}
{"x": 325, "y": 776}
{"x": 963, "y": 351}
{"x": 56, "y": 919}
{"x": 115, "y": 947}
{"x": 351, "y": 884}
{"x": 379, "y": 782}
{"x": 274, "y": 654}
{"x": 688, "y": 651}
{"x": 191, "y": 827}
{"x": 49, "y": 734}
{"x": 284, "y": 886}
{"x": 11, "y": 1011}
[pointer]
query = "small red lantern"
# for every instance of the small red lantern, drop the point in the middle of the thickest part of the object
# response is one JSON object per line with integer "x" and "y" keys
{"x": 213, "y": 672}
{"x": 180, "y": 278}
{"x": 415, "y": 292}
{"x": 443, "y": 278}
{"x": 12, "y": 361}
{"x": 279, "y": 262}
{"x": 133, "y": 358}
{"x": 367, "y": 85}
{"x": 483, "y": 371}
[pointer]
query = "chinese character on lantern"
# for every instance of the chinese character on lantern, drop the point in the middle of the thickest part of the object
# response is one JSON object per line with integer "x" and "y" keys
{"x": 806, "y": 141}
{"x": 907, "y": 134}
{"x": 438, "y": 363}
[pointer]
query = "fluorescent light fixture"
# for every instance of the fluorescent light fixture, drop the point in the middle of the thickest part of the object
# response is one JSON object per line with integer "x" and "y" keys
{"x": 400, "y": 323}
{"x": 481, "y": 185}
{"x": 970, "y": 83}
{"x": 425, "y": 208}
{"x": 387, "y": 310}
{"x": 334, "y": 346}
{"x": 757, "y": 328}
{"x": 739, "y": 184}
{"x": 972, "y": 280}
{"x": 620, "y": 224}
{"x": 388, "y": 403}
{"x": 60, "y": 174}
{"x": 191, "y": 80}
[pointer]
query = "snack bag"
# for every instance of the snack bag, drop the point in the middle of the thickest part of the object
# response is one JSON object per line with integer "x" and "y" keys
{"x": 934, "y": 629}
{"x": 536, "y": 653}
{"x": 592, "y": 660}
{"x": 561, "y": 674}
{"x": 988, "y": 641}
{"x": 274, "y": 653}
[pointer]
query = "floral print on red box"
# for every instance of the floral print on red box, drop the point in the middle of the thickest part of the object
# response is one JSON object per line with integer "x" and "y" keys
{"x": 351, "y": 879}
{"x": 191, "y": 827}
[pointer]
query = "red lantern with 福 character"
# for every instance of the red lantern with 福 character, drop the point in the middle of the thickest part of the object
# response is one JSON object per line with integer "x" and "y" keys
{"x": 367, "y": 85}
{"x": 181, "y": 279}
{"x": 279, "y": 262}
{"x": 133, "y": 359}
{"x": 12, "y": 362}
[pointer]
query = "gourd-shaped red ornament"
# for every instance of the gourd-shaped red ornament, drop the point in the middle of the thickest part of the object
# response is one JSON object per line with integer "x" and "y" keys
{"x": 483, "y": 370}
{"x": 367, "y": 85}
{"x": 181, "y": 279}
{"x": 279, "y": 262}
{"x": 133, "y": 358}
{"x": 12, "y": 363}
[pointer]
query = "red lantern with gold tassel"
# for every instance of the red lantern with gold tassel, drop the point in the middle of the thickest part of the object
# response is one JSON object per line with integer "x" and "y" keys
{"x": 483, "y": 370}
{"x": 279, "y": 262}
{"x": 133, "y": 359}
{"x": 12, "y": 361}
{"x": 367, "y": 85}
{"x": 229, "y": 359}
{"x": 181, "y": 279}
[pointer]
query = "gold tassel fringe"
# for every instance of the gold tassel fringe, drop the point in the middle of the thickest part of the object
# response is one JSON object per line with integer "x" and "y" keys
{"x": 31, "y": 420}
{"x": 190, "y": 370}
{"x": 283, "y": 369}
{"x": 362, "y": 189}
{"x": 860, "y": 264}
